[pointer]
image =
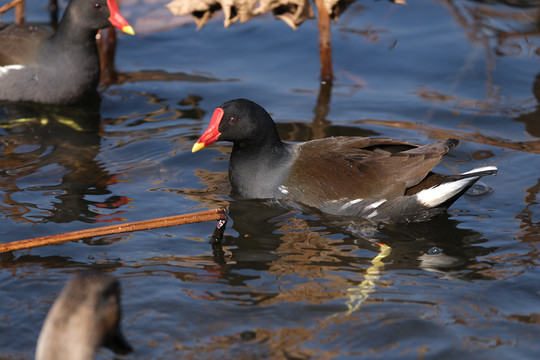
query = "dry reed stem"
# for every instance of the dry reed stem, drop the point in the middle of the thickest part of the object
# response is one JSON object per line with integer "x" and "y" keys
{"x": 201, "y": 216}
{"x": 19, "y": 10}
{"x": 325, "y": 42}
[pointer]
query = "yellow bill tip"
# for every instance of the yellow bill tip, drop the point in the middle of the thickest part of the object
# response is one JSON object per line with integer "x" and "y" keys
{"x": 197, "y": 146}
{"x": 128, "y": 30}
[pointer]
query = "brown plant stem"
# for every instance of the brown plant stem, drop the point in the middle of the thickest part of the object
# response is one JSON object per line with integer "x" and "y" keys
{"x": 107, "y": 51}
{"x": 325, "y": 41}
{"x": 20, "y": 13}
{"x": 19, "y": 10}
{"x": 201, "y": 216}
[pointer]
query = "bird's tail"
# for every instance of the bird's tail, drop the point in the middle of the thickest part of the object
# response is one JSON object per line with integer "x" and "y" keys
{"x": 453, "y": 187}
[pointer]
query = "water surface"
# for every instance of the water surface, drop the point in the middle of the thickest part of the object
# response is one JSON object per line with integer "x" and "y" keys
{"x": 286, "y": 284}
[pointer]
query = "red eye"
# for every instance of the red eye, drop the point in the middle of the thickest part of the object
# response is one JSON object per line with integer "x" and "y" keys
{"x": 232, "y": 120}
{"x": 97, "y": 6}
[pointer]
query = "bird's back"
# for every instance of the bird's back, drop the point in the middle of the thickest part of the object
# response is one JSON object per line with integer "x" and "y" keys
{"x": 360, "y": 168}
{"x": 19, "y": 43}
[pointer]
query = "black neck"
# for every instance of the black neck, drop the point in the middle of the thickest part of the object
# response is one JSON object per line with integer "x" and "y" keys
{"x": 69, "y": 34}
{"x": 256, "y": 170}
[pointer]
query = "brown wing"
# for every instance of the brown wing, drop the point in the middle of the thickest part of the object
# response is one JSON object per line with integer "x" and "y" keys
{"x": 19, "y": 43}
{"x": 359, "y": 168}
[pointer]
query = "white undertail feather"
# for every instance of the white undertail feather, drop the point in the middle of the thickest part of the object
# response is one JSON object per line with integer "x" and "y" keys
{"x": 481, "y": 169}
{"x": 438, "y": 194}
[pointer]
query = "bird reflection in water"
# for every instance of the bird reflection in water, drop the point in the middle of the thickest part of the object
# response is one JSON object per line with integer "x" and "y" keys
{"x": 48, "y": 160}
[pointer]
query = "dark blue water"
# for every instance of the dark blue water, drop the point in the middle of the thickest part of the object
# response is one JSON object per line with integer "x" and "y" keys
{"x": 285, "y": 284}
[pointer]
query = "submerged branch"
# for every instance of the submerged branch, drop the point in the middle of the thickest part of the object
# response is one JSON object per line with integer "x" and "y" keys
{"x": 201, "y": 216}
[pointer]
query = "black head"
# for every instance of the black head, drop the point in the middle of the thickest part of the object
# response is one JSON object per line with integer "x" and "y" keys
{"x": 245, "y": 121}
{"x": 240, "y": 121}
{"x": 95, "y": 15}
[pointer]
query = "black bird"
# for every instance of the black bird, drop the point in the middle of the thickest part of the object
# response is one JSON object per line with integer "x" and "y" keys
{"x": 58, "y": 68}
{"x": 371, "y": 178}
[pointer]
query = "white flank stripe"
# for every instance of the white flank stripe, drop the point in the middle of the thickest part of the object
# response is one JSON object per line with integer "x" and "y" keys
{"x": 283, "y": 189}
{"x": 376, "y": 204}
{"x": 5, "y": 69}
{"x": 485, "y": 168}
{"x": 438, "y": 194}
{"x": 352, "y": 202}
{"x": 375, "y": 213}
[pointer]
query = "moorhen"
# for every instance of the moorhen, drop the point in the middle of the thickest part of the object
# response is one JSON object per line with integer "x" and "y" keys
{"x": 84, "y": 317}
{"x": 61, "y": 68}
{"x": 371, "y": 178}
